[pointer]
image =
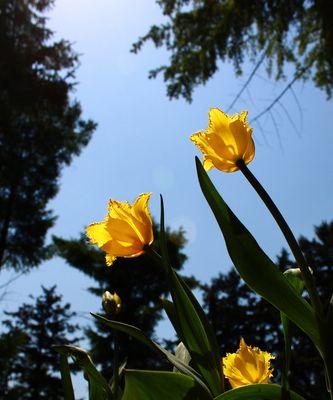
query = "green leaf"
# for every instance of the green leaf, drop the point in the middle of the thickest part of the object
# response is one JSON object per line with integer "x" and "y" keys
{"x": 157, "y": 385}
{"x": 169, "y": 308}
{"x": 191, "y": 323}
{"x": 66, "y": 378}
{"x": 257, "y": 392}
{"x": 142, "y": 337}
{"x": 98, "y": 386}
{"x": 294, "y": 277}
{"x": 254, "y": 266}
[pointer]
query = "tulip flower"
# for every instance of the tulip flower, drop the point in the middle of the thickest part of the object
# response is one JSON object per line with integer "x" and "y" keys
{"x": 247, "y": 366}
{"x": 126, "y": 230}
{"x": 226, "y": 141}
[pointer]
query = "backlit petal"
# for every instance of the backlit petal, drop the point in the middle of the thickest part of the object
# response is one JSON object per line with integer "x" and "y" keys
{"x": 141, "y": 212}
{"x": 124, "y": 211}
{"x": 110, "y": 259}
{"x": 218, "y": 120}
{"x": 98, "y": 234}
{"x": 121, "y": 230}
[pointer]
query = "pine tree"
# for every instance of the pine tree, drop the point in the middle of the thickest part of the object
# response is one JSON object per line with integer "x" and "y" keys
{"x": 41, "y": 128}
{"x": 31, "y": 366}
{"x": 200, "y": 34}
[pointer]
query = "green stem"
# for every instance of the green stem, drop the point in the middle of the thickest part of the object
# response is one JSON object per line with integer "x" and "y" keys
{"x": 328, "y": 357}
{"x": 286, "y": 325}
{"x": 153, "y": 253}
{"x": 116, "y": 364}
{"x": 290, "y": 238}
{"x": 286, "y": 361}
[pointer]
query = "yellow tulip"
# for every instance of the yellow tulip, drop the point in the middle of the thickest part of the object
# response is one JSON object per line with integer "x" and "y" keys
{"x": 111, "y": 303}
{"x": 126, "y": 230}
{"x": 227, "y": 140}
{"x": 247, "y": 366}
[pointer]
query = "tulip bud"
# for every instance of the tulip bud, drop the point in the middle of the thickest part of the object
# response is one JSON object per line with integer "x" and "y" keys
{"x": 111, "y": 303}
{"x": 295, "y": 278}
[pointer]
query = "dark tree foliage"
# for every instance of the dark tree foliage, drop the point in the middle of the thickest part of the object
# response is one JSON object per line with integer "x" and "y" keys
{"x": 199, "y": 34}
{"x": 41, "y": 128}
{"x": 29, "y": 366}
{"x": 140, "y": 283}
{"x": 235, "y": 312}
{"x": 11, "y": 344}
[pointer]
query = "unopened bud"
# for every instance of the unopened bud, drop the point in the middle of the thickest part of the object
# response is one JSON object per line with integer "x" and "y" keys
{"x": 111, "y": 303}
{"x": 295, "y": 278}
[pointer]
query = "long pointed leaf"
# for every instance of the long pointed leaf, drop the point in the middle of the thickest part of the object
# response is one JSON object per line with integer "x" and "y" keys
{"x": 254, "y": 266}
{"x": 169, "y": 308}
{"x": 293, "y": 276}
{"x": 257, "y": 392}
{"x": 191, "y": 323}
{"x": 66, "y": 378}
{"x": 142, "y": 337}
{"x": 98, "y": 386}
{"x": 158, "y": 385}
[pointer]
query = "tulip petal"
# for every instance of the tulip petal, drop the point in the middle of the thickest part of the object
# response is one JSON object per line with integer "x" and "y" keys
{"x": 124, "y": 211}
{"x": 140, "y": 208}
{"x": 98, "y": 234}
{"x": 218, "y": 120}
{"x": 110, "y": 259}
{"x": 121, "y": 230}
{"x": 122, "y": 249}
{"x": 208, "y": 163}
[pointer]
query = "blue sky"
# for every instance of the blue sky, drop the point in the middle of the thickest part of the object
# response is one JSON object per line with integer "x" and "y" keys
{"x": 142, "y": 144}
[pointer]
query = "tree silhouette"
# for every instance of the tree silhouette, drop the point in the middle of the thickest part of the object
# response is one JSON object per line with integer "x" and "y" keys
{"x": 41, "y": 128}
{"x": 140, "y": 282}
{"x": 29, "y": 366}
{"x": 236, "y": 311}
{"x": 10, "y": 346}
{"x": 201, "y": 33}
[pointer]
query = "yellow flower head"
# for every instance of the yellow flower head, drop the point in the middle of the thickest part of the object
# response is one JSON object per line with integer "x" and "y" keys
{"x": 126, "y": 230}
{"x": 111, "y": 303}
{"x": 247, "y": 366}
{"x": 227, "y": 140}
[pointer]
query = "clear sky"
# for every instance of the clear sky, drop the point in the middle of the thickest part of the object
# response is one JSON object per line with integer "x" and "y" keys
{"x": 142, "y": 144}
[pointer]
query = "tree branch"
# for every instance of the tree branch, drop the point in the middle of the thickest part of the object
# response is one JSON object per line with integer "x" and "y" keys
{"x": 284, "y": 91}
{"x": 255, "y": 69}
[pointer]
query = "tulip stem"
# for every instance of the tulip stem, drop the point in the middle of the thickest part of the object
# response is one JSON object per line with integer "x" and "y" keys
{"x": 116, "y": 364}
{"x": 154, "y": 254}
{"x": 286, "y": 326}
{"x": 290, "y": 238}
